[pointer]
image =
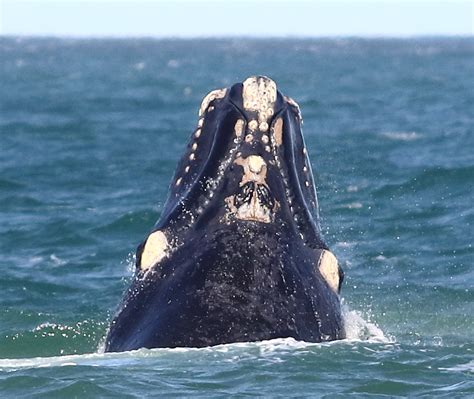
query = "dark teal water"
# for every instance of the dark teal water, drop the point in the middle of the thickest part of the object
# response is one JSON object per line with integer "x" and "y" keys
{"x": 90, "y": 134}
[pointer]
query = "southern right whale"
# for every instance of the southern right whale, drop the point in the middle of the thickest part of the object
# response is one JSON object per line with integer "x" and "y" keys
{"x": 237, "y": 254}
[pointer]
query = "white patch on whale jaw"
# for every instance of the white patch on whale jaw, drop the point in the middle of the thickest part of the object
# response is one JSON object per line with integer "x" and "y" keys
{"x": 156, "y": 248}
{"x": 329, "y": 269}
{"x": 252, "y": 209}
{"x": 259, "y": 95}
{"x": 214, "y": 94}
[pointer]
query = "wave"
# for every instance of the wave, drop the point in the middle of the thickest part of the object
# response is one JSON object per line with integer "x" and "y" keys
{"x": 465, "y": 367}
{"x": 402, "y": 136}
{"x": 10, "y": 185}
{"x": 20, "y": 202}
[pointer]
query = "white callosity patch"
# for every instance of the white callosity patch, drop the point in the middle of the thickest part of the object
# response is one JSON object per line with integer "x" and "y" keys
{"x": 259, "y": 95}
{"x": 277, "y": 131}
{"x": 294, "y": 104}
{"x": 239, "y": 127}
{"x": 219, "y": 93}
{"x": 253, "y": 125}
{"x": 329, "y": 269}
{"x": 156, "y": 248}
{"x": 255, "y": 169}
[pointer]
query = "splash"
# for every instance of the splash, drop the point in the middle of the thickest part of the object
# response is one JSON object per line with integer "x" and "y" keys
{"x": 358, "y": 329}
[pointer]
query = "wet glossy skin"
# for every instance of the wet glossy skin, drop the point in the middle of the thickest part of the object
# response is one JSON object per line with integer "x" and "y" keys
{"x": 237, "y": 254}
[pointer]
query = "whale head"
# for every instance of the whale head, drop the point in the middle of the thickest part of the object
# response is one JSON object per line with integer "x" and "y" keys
{"x": 237, "y": 254}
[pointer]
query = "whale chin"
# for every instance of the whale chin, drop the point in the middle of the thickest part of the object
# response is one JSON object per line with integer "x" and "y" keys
{"x": 237, "y": 254}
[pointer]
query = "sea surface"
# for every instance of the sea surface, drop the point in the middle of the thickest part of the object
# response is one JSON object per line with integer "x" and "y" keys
{"x": 90, "y": 133}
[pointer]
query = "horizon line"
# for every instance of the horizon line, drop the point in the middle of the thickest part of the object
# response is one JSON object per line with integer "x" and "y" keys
{"x": 238, "y": 36}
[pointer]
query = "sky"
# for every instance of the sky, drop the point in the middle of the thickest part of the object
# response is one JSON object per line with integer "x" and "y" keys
{"x": 204, "y": 18}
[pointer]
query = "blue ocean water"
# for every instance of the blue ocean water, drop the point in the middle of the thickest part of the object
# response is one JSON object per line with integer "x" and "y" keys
{"x": 90, "y": 133}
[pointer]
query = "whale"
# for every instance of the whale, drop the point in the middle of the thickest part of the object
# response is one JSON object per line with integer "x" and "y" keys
{"x": 237, "y": 254}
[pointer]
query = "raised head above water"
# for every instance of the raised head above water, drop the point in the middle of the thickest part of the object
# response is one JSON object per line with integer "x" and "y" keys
{"x": 237, "y": 254}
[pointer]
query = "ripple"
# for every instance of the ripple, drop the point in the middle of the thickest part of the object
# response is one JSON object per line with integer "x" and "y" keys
{"x": 429, "y": 178}
{"x": 137, "y": 221}
{"x": 10, "y": 185}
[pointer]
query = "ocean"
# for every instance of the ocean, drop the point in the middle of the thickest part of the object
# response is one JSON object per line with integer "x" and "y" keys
{"x": 90, "y": 133}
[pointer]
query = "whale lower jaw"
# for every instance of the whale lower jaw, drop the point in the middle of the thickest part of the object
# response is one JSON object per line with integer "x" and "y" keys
{"x": 241, "y": 286}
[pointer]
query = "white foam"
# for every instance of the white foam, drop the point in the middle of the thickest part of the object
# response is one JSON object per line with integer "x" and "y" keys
{"x": 172, "y": 63}
{"x": 270, "y": 348}
{"x": 139, "y": 65}
{"x": 352, "y": 188}
{"x": 91, "y": 359}
{"x": 352, "y": 205}
{"x": 402, "y": 136}
{"x": 130, "y": 262}
{"x": 469, "y": 367}
{"x": 57, "y": 261}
